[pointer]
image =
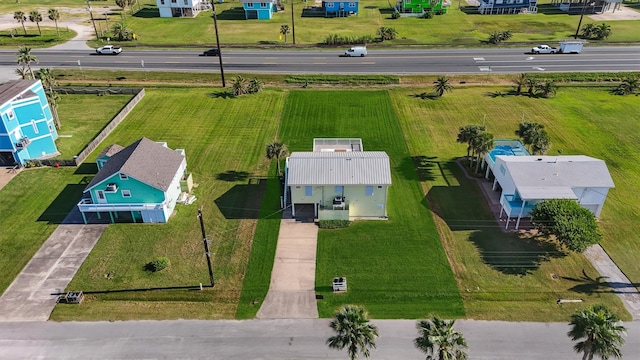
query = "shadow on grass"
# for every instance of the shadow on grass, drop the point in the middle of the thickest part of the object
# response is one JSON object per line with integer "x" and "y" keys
{"x": 236, "y": 13}
{"x": 500, "y": 94}
{"x": 188, "y": 287}
{"x": 243, "y": 200}
{"x": 63, "y": 204}
{"x": 464, "y": 208}
{"x": 233, "y": 176}
{"x": 589, "y": 285}
{"x": 147, "y": 13}
{"x": 222, "y": 94}
{"x": 425, "y": 166}
{"x": 425, "y": 96}
{"x": 87, "y": 169}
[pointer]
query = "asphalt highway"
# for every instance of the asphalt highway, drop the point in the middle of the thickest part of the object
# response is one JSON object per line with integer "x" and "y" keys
{"x": 447, "y": 61}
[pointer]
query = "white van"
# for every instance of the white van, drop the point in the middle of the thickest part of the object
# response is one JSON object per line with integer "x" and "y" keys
{"x": 356, "y": 51}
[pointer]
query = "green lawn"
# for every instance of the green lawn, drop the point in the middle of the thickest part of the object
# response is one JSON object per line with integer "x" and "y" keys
{"x": 82, "y": 117}
{"x": 503, "y": 276}
{"x": 396, "y": 268}
{"x": 31, "y": 206}
{"x": 48, "y": 38}
{"x": 224, "y": 139}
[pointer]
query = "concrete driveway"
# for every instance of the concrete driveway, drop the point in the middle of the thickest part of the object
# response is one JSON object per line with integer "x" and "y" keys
{"x": 33, "y": 293}
{"x": 292, "y": 290}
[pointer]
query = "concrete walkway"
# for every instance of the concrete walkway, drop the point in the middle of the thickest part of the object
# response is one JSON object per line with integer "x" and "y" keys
{"x": 33, "y": 294}
{"x": 292, "y": 291}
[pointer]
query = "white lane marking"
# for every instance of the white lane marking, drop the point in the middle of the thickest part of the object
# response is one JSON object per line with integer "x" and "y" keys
{"x": 530, "y": 58}
{"x": 478, "y": 59}
{"x": 484, "y": 68}
{"x": 538, "y": 68}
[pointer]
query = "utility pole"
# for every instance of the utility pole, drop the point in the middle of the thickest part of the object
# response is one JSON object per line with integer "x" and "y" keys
{"x": 293, "y": 25}
{"x": 206, "y": 247}
{"x": 92, "y": 20}
{"x": 215, "y": 25}
{"x": 584, "y": 5}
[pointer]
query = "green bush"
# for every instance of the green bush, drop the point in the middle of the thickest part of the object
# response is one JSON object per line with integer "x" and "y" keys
{"x": 333, "y": 224}
{"x": 158, "y": 264}
{"x": 343, "y": 79}
{"x": 395, "y": 15}
{"x": 427, "y": 14}
{"x": 335, "y": 39}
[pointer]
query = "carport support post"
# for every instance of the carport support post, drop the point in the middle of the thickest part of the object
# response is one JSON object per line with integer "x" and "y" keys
{"x": 206, "y": 247}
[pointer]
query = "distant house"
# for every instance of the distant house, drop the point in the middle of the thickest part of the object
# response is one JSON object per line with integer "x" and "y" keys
{"x": 27, "y": 131}
{"x": 340, "y": 8}
{"x": 141, "y": 182}
{"x": 181, "y": 8}
{"x": 508, "y": 7}
{"x": 260, "y": 10}
{"x": 526, "y": 180}
{"x": 338, "y": 181}
{"x": 422, "y": 6}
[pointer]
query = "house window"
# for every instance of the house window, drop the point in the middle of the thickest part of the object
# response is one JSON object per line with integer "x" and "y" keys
{"x": 50, "y": 128}
{"x": 339, "y": 189}
{"x": 161, "y": 2}
{"x": 174, "y": 1}
{"x": 186, "y": 2}
{"x": 123, "y": 176}
{"x": 352, "y": 5}
{"x": 329, "y": 5}
{"x": 368, "y": 191}
{"x": 407, "y": 1}
{"x": 111, "y": 188}
{"x": 249, "y": 5}
{"x": 126, "y": 193}
{"x": 379, "y": 186}
{"x": 308, "y": 191}
{"x": 35, "y": 126}
{"x": 263, "y": 5}
{"x": 100, "y": 194}
{"x": 11, "y": 114}
{"x": 502, "y": 169}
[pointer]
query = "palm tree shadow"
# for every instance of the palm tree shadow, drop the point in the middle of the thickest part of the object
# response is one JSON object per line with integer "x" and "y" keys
{"x": 425, "y": 96}
{"x": 222, "y": 94}
{"x": 501, "y": 94}
{"x": 589, "y": 285}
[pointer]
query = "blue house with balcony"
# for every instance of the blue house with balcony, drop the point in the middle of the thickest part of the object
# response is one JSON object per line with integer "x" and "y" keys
{"x": 499, "y": 7}
{"x": 261, "y": 10}
{"x": 340, "y": 8}
{"x": 27, "y": 130}
{"x": 141, "y": 182}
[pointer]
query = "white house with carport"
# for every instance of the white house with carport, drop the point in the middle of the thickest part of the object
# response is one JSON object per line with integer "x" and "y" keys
{"x": 338, "y": 181}
{"x": 181, "y": 8}
{"x": 526, "y": 180}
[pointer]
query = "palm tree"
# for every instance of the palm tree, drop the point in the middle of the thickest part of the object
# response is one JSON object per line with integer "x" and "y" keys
{"x": 528, "y": 132}
{"x": 541, "y": 143}
{"x": 439, "y": 340}
{"x": 467, "y": 135}
{"x": 284, "y": 30}
{"x": 602, "y": 31}
{"x": 276, "y": 150}
{"x": 21, "y": 18}
{"x": 121, "y": 32}
{"x": 25, "y": 58}
{"x": 36, "y": 17}
{"x": 629, "y": 86}
{"x": 588, "y": 31}
{"x": 23, "y": 73}
{"x": 442, "y": 85}
{"x": 54, "y": 15}
{"x": 351, "y": 323}
{"x": 240, "y": 86}
{"x": 387, "y": 33}
{"x": 532, "y": 84}
{"x": 520, "y": 82}
{"x": 255, "y": 86}
{"x": 601, "y": 330}
{"x": 482, "y": 144}
{"x": 547, "y": 88}
{"x": 48, "y": 82}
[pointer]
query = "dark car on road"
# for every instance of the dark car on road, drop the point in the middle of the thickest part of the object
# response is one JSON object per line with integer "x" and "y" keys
{"x": 211, "y": 52}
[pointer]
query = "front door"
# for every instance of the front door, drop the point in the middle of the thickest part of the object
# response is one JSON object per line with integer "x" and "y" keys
{"x": 101, "y": 198}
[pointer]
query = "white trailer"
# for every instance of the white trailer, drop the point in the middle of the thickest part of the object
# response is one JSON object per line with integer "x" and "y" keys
{"x": 571, "y": 46}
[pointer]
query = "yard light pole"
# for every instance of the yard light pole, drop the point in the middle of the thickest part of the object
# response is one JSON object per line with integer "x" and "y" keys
{"x": 206, "y": 247}
{"x": 215, "y": 26}
{"x": 584, "y": 6}
{"x": 92, "y": 19}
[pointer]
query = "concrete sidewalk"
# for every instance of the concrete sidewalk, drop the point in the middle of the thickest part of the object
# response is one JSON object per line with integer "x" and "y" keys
{"x": 33, "y": 293}
{"x": 292, "y": 291}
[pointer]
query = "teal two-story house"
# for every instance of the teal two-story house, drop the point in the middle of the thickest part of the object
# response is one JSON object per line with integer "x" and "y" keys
{"x": 260, "y": 9}
{"x": 27, "y": 131}
{"x": 140, "y": 182}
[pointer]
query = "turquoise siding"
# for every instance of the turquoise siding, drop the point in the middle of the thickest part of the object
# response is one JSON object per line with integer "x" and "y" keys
{"x": 259, "y": 10}
{"x": 140, "y": 192}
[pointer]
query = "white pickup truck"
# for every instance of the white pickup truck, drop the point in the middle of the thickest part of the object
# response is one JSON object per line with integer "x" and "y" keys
{"x": 566, "y": 47}
{"x": 109, "y": 50}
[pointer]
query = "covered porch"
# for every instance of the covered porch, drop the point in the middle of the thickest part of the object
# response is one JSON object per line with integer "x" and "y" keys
{"x": 520, "y": 204}
{"x": 136, "y": 213}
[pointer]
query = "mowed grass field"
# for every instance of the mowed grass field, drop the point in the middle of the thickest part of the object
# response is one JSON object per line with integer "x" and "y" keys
{"x": 505, "y": 276}
{"x": 395, "y": 268}
{"x": 224, "y": 140}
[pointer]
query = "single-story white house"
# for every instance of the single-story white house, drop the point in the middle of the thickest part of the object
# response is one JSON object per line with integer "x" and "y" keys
{"x": 338, "y": 180}
{"x": 526, "y": 180}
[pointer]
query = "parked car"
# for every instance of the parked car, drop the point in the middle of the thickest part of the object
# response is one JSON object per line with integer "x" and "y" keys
{"x": 109, "y": 50}
{"x": 566, "y": 47}
{"x": 211, "y": 52}
{"x": 356, "y": 51}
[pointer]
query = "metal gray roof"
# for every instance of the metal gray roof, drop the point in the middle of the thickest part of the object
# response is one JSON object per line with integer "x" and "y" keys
{"x": 339, "y": 168}
{"x": 11, "y": 89}
{"x": 546, "y": 177}
{"x": 144, "y": 160}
